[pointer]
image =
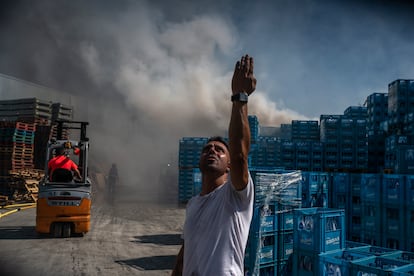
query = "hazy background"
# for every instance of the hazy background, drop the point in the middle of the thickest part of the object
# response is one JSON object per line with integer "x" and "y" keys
{"x": 146, "y": 73}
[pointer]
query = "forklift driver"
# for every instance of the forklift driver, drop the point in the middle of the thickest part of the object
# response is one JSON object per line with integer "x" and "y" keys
{"x": 61, "y": 167}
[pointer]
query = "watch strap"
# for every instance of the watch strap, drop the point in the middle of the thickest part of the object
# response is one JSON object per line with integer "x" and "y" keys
{"x": 240, "y": 97}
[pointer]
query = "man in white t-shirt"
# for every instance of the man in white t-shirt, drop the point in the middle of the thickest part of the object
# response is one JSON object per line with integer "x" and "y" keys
{"x": 218, "y": 219}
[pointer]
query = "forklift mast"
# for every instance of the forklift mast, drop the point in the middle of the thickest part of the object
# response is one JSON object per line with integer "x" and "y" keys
{"x": 65, "y": 124}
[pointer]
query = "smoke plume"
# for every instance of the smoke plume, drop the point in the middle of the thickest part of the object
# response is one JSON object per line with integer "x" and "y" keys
{"x": 142, "y": 78}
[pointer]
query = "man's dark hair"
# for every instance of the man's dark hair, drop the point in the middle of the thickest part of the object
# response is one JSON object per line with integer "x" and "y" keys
{"x": 218, "y": 139}
{"x": 60, "y": 151}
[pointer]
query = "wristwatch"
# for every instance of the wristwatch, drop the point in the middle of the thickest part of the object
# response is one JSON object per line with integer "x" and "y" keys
{"x": 240, "y": 97}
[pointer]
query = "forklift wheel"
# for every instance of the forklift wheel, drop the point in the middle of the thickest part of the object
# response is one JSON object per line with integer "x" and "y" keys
{"x": 57, "y": 230}
{"x": 67, "y": 230}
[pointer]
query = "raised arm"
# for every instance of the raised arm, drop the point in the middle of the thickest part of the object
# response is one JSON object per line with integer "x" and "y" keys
{"x": 243, "y": 84}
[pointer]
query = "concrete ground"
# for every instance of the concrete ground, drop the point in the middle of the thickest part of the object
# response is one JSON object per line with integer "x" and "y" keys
{"x": 129, "y": 238}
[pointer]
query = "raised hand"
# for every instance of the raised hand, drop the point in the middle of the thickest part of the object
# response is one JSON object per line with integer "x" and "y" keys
{"x": 243, "y": 77}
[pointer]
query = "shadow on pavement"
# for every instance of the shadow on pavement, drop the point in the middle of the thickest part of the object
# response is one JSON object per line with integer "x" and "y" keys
{"x": 162, "y": 239}
{"x": 151, "y": 263}
{"x": 18, "y": 232}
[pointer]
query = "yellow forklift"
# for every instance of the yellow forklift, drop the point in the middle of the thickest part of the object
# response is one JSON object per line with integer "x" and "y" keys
{"x": 64, "y": 201}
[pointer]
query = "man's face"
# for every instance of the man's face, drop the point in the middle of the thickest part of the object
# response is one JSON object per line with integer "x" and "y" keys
{"x": 214, "y": 157}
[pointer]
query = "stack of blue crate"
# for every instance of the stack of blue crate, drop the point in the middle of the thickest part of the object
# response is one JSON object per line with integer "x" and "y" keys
{"x": 315, "y": 189}
{"x": 188, "y": 159}
{"x": 393, "y": 211}
{"x": 409, "y": 200}
{"x": 316, "y": 231}
{"x": 379, "y": 265}
{"x": 340, "y": 262}
{"x": 270, "y": 243}
{"x": 254, "y": 128}
{"x": 316, "y": 157}
{"x": 303, "y": 155}
{"x": 286, "y": 149}
{"x": 354, "y": 213}
{"x": 339, "y": 191}
{"x": 371, "y": 222}
{"x": 264, "y": 153}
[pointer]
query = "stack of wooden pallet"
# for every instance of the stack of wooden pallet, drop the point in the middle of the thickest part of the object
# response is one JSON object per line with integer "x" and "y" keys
{"x": 25, "y": 184}
{"x": 17, "y": 145}
{"x": 16, "y": 153}
{"x": 31, "y": 110}
{"x": 26, "y": 125}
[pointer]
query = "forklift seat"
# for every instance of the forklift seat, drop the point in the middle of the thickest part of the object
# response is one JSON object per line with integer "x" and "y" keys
{"x": 62, "y": 175}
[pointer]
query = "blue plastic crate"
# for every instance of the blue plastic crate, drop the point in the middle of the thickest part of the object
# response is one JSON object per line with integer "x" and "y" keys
{"x": 356, "y": 206}
{"x": 372, "y": 237}
{"x": 261, "y": 249}
{"x": 314, "y": 182}
{"x": 355, "y": 184}
{"x": 377, "y": 266}
{"x": 394, "y": 241}
{"x": 353, "y": 244}
{"x": 285, "y": 220}
{"x": 319, "y": 229}
{"x": 404, "y": 271}
{"x": 315, "y": 200}
{"x": 409, "y": 245}
{"x": 409, "y": 191}
{"x": 324, "y": 180}
{"x": 269, "y": 269}
{"x": 284, "y": 187}
{"x": 186, "y": 185}
{"x": 339, "y": 201}
{"x": 370, "y": 187}
{"x": 355, "y": 224}
{"x": 402, "y": 256}
{"x": 284, "y": 245}
{"x": 393, "y": 220}
{"x": 338, "y": 262}
{"x": 340, "y": 183}
{"x": 265, "y": 219}
{"x": 283, "y": 268}
{"x": 376, "y": 250}
{"x": 197, "y": 181}
{"x": 393, "y": 189}
{"x": 371, "y": 217}
{"x": 410, "y": 222}
{"x": 306, "y": 263}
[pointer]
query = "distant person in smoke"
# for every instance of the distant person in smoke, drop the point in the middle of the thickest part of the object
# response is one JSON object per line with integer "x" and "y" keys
{"x": 112, "y": 181}
{"x": 218, "y": 219}
{"x": 61, "y": 167}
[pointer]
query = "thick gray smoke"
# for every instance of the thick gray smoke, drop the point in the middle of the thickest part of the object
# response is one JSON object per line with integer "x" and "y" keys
{"x": 141, "y": 80}
{"x": 146, "y": 74}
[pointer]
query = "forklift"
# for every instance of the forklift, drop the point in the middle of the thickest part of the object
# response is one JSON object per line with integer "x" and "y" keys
{"x": 64, "y": 201}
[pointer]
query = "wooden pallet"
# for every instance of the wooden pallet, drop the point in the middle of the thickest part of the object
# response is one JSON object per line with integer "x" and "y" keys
{"x": 26, "y": 126}
{"x": 25, "y": 184}
{"x": 25, "y": 157}
{"x": 28, "y": 174}
{"x": 4, "y": 200}
{"x": 33, "y": 189}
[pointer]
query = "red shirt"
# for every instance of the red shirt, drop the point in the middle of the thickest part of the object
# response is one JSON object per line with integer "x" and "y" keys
{"x": 63, "y": 162}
